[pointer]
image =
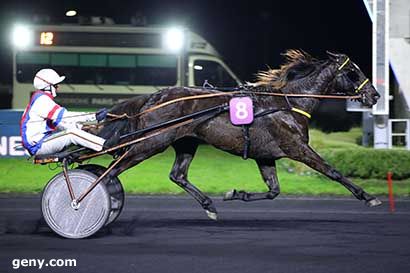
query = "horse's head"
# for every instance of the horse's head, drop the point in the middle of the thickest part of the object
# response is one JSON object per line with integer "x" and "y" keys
{"x": 351, "y": 80}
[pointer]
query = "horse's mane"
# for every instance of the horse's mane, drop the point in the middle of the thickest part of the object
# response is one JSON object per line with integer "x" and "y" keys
{"x": 298, "y": 64}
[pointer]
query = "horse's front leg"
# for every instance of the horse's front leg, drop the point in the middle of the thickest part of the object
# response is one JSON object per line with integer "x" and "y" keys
{"x": 185, "y": 150}
{"x": 309, "y": 157}
{"x": 267, "y": 169}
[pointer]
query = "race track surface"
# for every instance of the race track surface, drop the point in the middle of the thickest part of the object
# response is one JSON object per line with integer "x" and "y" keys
{"x": 173, "y": 234}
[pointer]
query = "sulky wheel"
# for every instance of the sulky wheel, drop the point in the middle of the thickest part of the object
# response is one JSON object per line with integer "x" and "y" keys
{"x": 91, "y": 214}
{"x": 114, "y": 188}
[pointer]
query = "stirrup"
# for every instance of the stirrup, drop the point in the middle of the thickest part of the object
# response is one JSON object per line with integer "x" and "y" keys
{"x": 50, "y": 158}
{"x": 70, "y": 155}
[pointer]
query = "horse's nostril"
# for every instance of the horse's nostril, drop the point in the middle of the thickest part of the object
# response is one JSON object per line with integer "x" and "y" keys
{"x": 376, "y": 96}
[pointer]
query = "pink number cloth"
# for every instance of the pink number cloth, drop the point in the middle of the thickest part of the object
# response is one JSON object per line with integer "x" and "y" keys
{"x": 241, "y": 110}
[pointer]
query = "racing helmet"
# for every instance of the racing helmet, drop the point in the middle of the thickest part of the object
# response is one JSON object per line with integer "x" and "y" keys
{"x": 46, "y": 79}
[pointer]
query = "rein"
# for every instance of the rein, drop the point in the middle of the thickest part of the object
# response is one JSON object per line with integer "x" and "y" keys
{"x": 339, "y": 69}
{"x": 124, "y": 115}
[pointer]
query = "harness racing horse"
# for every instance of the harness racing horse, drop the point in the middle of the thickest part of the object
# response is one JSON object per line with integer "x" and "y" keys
{"x": 279, "y": 130}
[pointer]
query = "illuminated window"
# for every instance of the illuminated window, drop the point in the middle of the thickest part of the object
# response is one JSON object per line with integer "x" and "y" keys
{"x": 212, "y": 72}
{"x": 100, "y": 68}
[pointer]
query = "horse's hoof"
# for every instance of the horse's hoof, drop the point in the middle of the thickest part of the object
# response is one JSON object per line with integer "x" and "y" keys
{"x": 374, "y": 202}
{"x": 212, "y": 215}
{"x": 229, "y": 195}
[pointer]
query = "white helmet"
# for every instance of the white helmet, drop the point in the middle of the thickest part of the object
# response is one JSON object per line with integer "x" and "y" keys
{"x": 45, "y": 79}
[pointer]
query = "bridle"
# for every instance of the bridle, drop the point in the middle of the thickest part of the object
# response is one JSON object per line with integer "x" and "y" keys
{"x": 339, "y": 72}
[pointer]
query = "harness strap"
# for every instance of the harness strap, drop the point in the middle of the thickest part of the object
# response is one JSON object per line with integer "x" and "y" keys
{"x": 158, "y": 129}
{"x": 362, "y": 85}
{"x": 297, "y": 110}
{"x": 344, "y": 63}
{"x": 247, "y": 141}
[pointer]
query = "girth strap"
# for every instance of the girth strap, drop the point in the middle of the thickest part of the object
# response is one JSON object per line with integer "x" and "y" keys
{"x": 247, "y": 141}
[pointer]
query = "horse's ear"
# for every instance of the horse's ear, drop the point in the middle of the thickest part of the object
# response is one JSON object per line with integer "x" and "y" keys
{"x": 333, "y": 56}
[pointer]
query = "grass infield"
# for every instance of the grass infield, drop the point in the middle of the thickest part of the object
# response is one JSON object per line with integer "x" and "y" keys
{"x": 212, "y": 170}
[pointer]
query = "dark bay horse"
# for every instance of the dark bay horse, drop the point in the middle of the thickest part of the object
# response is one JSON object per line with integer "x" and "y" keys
{"x": 276, "y": 134}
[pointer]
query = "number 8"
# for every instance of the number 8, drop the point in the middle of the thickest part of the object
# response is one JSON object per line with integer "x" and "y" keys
{"x": 241, "y": 111}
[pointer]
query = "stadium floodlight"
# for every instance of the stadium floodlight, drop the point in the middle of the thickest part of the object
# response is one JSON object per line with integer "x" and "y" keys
{"x": 21, "y": 36}
{"x": 71, "y": 13}
{"x": 174, "y": 39}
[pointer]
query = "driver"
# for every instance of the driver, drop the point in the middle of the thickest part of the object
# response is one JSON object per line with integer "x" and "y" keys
{"x": 47, "y": 128}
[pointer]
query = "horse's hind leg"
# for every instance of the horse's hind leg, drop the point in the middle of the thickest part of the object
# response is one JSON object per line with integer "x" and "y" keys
{"x": 308, "y": 156}
{"x": 185, "y": 150}
{"x": 267, "y": 169}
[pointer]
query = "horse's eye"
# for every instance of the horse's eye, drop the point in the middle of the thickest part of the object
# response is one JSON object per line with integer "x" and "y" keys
{"x": 353, "y": 76}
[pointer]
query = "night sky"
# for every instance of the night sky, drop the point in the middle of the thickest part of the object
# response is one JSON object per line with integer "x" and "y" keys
{"x": 250, "y": 35}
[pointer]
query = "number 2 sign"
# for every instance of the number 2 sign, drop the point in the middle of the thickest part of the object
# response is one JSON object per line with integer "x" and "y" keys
{"x": 241, "y": 110}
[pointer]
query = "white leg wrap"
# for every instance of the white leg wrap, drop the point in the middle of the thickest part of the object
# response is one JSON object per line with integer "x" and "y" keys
{"x": 60, "y": 140}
